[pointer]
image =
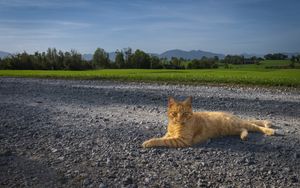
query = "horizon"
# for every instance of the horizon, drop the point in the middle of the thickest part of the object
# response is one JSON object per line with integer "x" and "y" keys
{"x": 231, "y": 27}
{"x": 109, "y": 52}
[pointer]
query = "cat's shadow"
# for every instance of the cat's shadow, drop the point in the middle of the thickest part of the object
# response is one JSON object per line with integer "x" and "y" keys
{"x": 255, "y": 143}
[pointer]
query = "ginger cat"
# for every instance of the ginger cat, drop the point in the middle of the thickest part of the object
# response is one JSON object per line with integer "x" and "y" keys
{"x": 186, "y": 127}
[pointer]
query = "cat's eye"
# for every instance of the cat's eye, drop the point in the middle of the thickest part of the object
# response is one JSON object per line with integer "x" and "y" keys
{"x": 174, "y": 114}
{"x": 186, "y": 113}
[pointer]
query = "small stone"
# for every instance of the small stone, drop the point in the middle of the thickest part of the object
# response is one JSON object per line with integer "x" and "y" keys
{"x": 174, "y": 164}
{"x": 53, "y": 150}
{"x": 287, "y": 169}
{"x": 202, "y": 183}
{"x": 80, "y": 144}
{"x": 147, "y": 180}
{"x": 102, "y": 185}
{"x": 294, "y": 179}
{"x": 6, "y": 153}
{"x": 87, "y": 182}
{"x": 269, "y": 172}
{"x": 61, "y": 158}
{"x": 262, "y": 169}
{"x": 280, "y": 132}
{"x": 34, "y": 178}
{"x": 83, "y": 175}
{"x": 296, "y": 155}
{"x": 127, "y": 180}
{"x": 108, "y": 161}
{"x": 58, "y": 135}
{"x": 249, "y": 161}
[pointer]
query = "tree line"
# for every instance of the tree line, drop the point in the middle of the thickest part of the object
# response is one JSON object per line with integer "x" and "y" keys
{"x": 54, "y": 59}
{"x": 50, "y": 60}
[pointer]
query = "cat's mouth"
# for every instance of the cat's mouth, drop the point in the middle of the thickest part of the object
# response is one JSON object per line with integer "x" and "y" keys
{"x": 180, "y": 122}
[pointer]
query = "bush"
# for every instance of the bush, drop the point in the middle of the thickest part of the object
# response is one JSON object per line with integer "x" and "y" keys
{"x": 203, "y": 64}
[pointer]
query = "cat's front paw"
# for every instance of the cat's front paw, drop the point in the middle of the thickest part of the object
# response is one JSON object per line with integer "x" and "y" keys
{"x": 148, "y": 144}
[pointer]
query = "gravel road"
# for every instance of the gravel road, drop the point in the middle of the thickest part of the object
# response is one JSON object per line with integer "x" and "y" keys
{"x": 67, "y": 133}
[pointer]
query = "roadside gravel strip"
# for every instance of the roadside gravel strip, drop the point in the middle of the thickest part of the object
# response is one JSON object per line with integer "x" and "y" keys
{"x": 67, "y": 133}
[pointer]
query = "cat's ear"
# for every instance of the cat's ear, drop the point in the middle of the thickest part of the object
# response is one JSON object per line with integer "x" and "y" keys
{"x": 188, "y": 101}
{"x": 171, "y": 101}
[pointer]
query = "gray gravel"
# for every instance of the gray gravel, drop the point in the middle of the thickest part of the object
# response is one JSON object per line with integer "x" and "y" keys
{"x": 65, "y": 133}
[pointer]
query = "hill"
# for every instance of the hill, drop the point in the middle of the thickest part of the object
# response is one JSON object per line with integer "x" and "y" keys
{"x": 4, "y": 54}
{"x": 193, "y": 54}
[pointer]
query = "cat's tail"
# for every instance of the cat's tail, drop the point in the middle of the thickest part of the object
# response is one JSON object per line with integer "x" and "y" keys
{"x": 259, "y": 126}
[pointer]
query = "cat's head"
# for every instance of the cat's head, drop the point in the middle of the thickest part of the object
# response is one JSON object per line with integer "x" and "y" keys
{"x": 180, "y": 111}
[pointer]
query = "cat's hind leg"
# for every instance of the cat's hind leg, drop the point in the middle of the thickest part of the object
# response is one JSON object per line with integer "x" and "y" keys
{"x": 253, "y": 127}
{"x": 262, "y": 123}
{"x": 244, "y": 134}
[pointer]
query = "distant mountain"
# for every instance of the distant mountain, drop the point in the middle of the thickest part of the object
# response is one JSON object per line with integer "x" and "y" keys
{"x": 193, "y": 54}
{"x": 4, "y": 54}
{"x": 87, "y": 57}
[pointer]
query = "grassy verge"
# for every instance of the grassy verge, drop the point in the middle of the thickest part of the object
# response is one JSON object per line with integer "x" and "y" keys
{"x": 263, "y": 77}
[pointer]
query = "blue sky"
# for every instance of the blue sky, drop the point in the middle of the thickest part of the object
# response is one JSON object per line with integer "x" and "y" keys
{"x": 223, "y": 26}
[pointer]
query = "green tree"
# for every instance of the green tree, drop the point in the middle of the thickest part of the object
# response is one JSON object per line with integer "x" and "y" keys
{"x": 73, "y": 60}
{"x": 100, "y": 58}
{"x": 276, "y": 56}
{"x": 295, "y": 59}
{"x": 216, "y": 58}
{"x": 119, "y": 59}
{"x": 46, "y": 61}
{"x": 128, "y": 57}
{"x": 204, "y": 63}
{"x": 51, "y": 58}
{"x": 233, "y": 59}
{"x": 141, "y": 60}
{"x": 6, "y": 63}
{"x": 155, "y": 63}
{"x": 175, "y": 61}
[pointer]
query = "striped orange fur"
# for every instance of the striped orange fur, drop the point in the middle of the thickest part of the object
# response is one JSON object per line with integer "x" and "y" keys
{"x": 186, "y": 127}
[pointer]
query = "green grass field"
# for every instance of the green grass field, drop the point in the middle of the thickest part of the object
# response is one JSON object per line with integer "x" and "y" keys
{"x": 263, "y": 77}
{"x": 262, "y": 65}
